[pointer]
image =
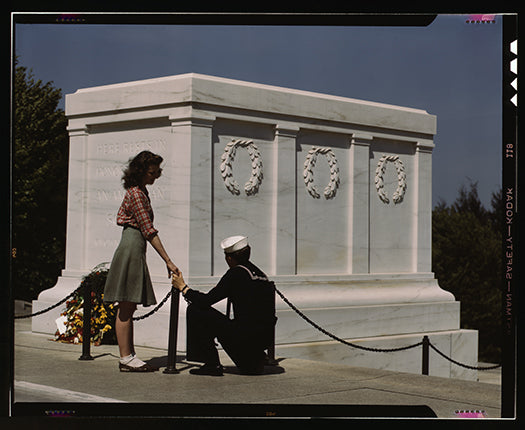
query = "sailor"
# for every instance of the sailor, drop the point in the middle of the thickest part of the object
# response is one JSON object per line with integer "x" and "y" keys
{"x": 249, "y": 333}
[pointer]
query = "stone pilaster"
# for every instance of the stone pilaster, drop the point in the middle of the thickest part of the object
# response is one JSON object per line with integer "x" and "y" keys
{"x": 359, "y": 224}
{"x": 284, "y": 205}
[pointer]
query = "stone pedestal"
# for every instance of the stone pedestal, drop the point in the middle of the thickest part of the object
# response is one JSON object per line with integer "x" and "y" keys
{"x": 333, "y": 193}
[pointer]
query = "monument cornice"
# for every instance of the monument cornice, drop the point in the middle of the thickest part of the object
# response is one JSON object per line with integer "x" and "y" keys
{"x": 222, "y": 92}
{"x": 192, "y": 118}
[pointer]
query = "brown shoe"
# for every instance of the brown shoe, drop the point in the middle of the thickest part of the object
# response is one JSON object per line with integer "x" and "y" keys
{"x": 144, "y": 368}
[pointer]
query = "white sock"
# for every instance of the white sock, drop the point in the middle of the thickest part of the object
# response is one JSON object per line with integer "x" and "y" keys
{"x": 131, "y": 360}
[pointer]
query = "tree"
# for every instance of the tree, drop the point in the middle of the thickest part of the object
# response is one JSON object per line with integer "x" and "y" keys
{"x": 466, "y": 257}
{"x": 39, "y": 184}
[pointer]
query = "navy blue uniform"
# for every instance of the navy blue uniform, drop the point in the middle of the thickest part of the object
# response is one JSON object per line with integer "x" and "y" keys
{"x": 248, "y": 334}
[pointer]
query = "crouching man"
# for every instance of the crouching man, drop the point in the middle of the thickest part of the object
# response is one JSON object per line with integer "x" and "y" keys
{"x": 249, "y": 333}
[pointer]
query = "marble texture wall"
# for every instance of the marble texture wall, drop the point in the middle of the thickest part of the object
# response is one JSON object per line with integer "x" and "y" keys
{"x": 334, "y": 194}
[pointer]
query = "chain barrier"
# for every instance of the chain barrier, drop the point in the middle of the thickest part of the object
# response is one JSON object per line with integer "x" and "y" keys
{"x": 327, "y": 333}
{"x": 464, "y": 365}
{"x": 298, "y": 312}
{"x": 43, "y": 311}
{"x": 164, "y": 300}
{"x": 333, "y": 336}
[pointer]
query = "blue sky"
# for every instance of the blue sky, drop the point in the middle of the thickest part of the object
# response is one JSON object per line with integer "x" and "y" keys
{"x": 451, "y": 69}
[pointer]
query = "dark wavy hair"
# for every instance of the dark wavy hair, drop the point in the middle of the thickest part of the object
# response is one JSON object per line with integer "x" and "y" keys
{"x": 138, "y": 166}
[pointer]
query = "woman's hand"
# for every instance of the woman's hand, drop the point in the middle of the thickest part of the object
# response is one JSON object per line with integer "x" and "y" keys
{"x": 172, "y": 268}
{"x": 177, "y": 281}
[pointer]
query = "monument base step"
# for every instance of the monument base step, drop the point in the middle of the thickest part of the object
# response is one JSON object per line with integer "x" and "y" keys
{"x": 387, "y": 325}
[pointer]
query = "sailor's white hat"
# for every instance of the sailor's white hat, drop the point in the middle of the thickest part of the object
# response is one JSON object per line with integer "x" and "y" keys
{"x": 234, "y": 243}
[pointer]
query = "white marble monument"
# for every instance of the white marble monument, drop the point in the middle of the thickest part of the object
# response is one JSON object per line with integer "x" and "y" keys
{"x": 334, "y": 194}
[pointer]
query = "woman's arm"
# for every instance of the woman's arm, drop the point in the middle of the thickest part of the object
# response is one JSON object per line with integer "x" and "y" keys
{"x": 157, "y": 244}
{"x": 143, "y": 215}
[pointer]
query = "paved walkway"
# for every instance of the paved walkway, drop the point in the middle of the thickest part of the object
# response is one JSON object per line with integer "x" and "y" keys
{"x": 50, "y": 372}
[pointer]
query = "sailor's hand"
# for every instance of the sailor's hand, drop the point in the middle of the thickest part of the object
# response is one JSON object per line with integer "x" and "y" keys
{"x": 177, "y": 280}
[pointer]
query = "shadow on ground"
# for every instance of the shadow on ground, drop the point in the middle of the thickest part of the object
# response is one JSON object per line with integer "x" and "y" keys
{"x": 160, "y": 362}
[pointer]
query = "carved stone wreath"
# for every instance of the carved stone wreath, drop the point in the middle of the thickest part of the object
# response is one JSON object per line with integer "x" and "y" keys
{"x": 252, "y": 186}
{"x": 401, "y": 179}
{"x": 331, "y": 189}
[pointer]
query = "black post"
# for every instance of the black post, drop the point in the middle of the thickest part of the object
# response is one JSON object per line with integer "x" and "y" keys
{"x": 86, "y": 324}
{"x": 174, "y": 324}
{"x": 426, "y": 347}
{"x": 271, "y": 348}
{"x": 228, "y": 308}
{"x": 271, "y": 352}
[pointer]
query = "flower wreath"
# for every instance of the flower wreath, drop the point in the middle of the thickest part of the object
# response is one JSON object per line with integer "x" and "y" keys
{"x": 331, "y": 189}
{"x": 102, "y": 315}
{"x": 401, "y": 179}
{"x": 252, "y": 186}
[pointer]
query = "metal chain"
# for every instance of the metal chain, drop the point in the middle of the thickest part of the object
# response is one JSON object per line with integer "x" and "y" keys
{"x": 50, "y": 307}
{"x": 73, "y": 293}
{"x": 164, "y": 300}
{"x": 377, "y": 349}
{"x": 461, "y": 364}
{"x": 322, "y": 330}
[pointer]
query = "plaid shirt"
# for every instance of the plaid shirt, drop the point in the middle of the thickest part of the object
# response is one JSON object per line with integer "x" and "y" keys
{"x": 136, "y": 211}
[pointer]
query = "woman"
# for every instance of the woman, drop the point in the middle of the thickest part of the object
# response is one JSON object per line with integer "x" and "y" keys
{"x": 128, "y": 281}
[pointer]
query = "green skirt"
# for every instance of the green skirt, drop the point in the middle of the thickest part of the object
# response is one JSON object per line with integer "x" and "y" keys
{"x": 128, "y": 278}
